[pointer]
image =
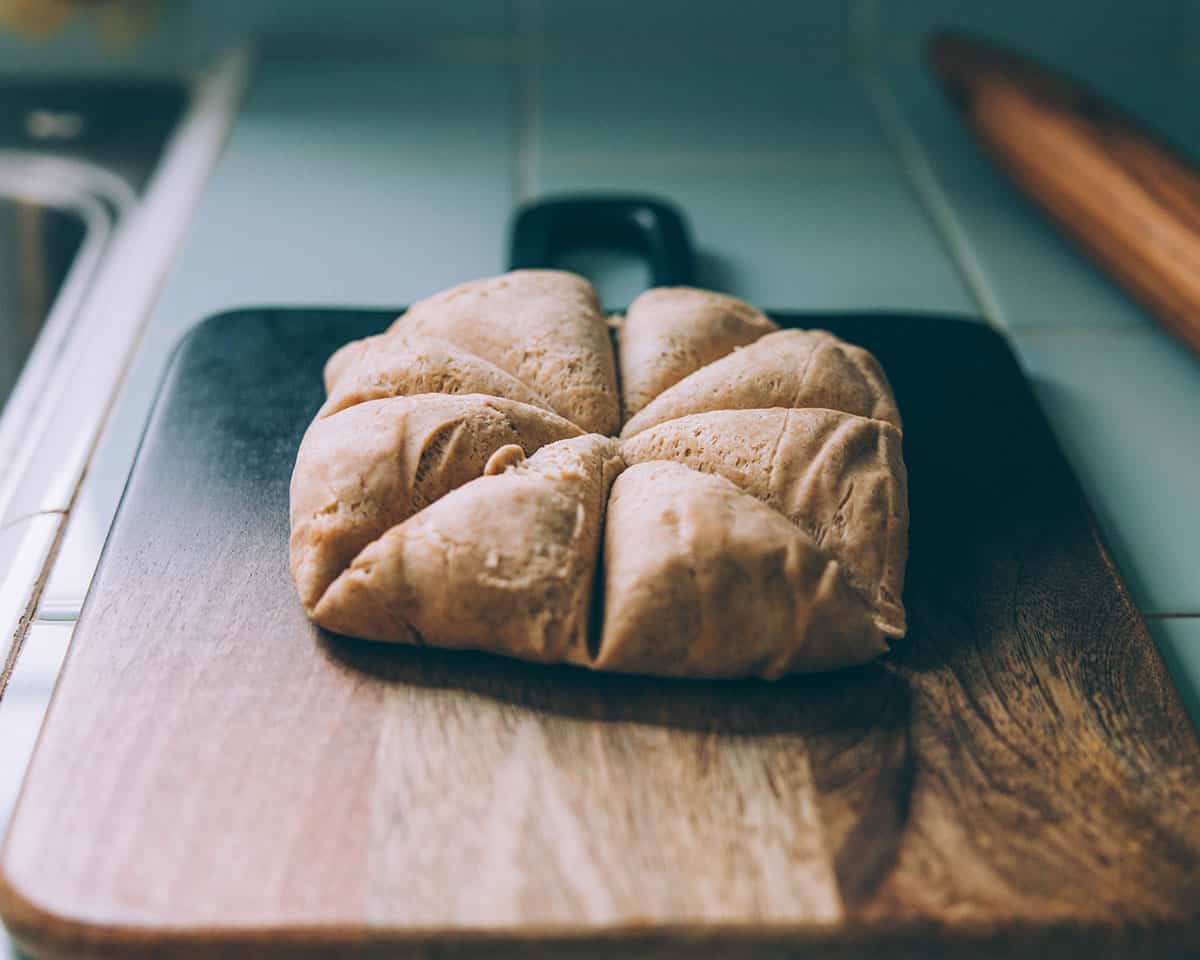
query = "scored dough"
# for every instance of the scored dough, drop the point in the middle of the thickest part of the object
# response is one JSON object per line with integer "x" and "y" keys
{"x": 789, "y": 368}
{"x": 453, "y": 489}
{"x": 703, "y": 580}
{"x": 544, "y": 327}
{"x": 504, "y": 563}
{"x": 670, "y": 332}
{"x": 400, "y": 364}
{"x": 838, "y": 477}
{"x": 370, "y": 466}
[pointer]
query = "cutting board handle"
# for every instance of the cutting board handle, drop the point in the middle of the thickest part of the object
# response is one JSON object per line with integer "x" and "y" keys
{"x": 545, "y": 229}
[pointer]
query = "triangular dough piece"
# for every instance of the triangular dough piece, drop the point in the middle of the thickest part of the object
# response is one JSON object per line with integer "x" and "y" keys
{"x": 399, "y": 365}
{"x": 838, "y": 477}
{"x": 790, "y": 368}
{"x": 504, "y": 563}
{"x": 669, "y": 332}
{"x": 367, "y": 468}
{"x": 544, "y": 327}
{"x": 702, "y": 580}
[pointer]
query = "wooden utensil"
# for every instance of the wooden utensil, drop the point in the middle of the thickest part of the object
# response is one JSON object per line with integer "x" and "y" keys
{"x": 1129, "y": 199}
{"x": 216, "y": 777}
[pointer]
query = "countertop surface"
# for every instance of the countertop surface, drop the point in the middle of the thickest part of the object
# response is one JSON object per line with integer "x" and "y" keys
{"x": 817, "y": 163}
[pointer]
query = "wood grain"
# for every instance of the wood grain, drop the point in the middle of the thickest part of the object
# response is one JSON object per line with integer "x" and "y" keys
{"x": 1127, "y": 197}
{"x": 217, "y": 776}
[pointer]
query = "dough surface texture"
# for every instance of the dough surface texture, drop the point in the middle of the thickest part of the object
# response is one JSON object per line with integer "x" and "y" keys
{"x": 478, "y": 478}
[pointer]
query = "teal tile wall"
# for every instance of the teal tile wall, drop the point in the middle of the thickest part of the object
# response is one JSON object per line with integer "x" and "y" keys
{"x": 750, "y": 31}
{"x": 1178, "y": 640}
{"x": 803, "y": 238}
{"x": 1034, "y": 278}
{"x": 188, "y": 33}
{"x": 670, "y": 113}
{"x": 1123, "y": 404}
{"x": 1131, "y": 54}
{"x": 763, "y": 134}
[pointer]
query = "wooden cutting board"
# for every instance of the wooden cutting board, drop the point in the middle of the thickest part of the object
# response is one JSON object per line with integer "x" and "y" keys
{"x": 217, "y": 776}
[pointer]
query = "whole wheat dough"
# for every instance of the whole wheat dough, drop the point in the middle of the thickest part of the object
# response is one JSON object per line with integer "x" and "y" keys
{"x": 702, "y": 579}
{"x": 838, "y": 477}
{"x": 370, "y": 466}
{"x": 503, "y": 563}
{"x": 402, "y": 364}
{"x": 670, "y": 332}
{"x": 453, "y": 489}
{"x": 789, "y": 368}
{"x": 544, "y": 327}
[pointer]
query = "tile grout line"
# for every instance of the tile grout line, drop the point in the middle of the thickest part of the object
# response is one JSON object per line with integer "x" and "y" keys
{"x": 1172, "y": 616}
{"x": 778, "y": 161}
{"x": 1050, "y": 329}
{"x": 910, "y": 156}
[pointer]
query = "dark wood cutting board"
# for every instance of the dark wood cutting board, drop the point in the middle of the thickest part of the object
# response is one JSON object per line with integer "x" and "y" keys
{"x": 217, "y": 776}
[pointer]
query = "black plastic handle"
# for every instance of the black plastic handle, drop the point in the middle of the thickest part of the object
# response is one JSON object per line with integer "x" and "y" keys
{"x": 544, "y": 229}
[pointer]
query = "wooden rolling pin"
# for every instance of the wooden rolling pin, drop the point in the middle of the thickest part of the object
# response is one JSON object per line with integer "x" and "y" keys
{"x": 1128, "y": 198}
